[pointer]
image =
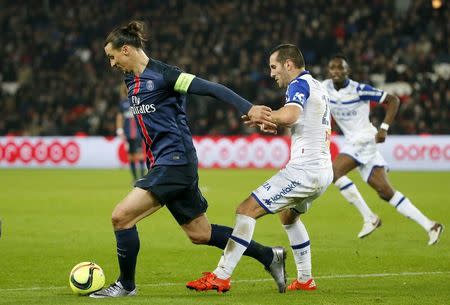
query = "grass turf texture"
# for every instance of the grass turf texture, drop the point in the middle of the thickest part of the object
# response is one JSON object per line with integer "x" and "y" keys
{"x": 54, "y": 219}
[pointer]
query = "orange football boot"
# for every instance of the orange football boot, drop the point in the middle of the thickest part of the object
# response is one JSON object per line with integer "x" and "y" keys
{"x": 210, "y": 281}
{"x": 308, "y": 285}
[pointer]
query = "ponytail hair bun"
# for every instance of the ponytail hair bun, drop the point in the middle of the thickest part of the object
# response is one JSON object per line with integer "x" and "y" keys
{"x": 135, "y": 27}
{"x": 132, "y": 34}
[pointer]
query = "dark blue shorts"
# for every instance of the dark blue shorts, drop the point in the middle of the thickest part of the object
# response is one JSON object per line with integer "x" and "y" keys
{"x": 134, "y": 145}
{"x": 176, "y": 186}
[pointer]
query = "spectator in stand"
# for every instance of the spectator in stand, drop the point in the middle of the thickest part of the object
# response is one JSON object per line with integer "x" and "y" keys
{"x": 59, "y": 42}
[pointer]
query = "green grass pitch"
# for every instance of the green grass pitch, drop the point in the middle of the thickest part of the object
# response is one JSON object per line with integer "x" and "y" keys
{"x": 54, "y": 219}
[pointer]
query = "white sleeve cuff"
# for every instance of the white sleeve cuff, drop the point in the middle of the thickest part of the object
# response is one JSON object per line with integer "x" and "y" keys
{"x": 383, "y": 97}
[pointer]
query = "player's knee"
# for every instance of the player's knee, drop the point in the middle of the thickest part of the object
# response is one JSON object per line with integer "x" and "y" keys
{"x": 118, "y": 219}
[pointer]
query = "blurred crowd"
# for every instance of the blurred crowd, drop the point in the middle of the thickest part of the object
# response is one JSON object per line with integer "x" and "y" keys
{"x": 56, "y": 80}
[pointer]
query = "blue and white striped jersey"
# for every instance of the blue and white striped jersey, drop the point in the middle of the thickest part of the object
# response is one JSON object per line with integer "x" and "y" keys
{"x": 311, "y": 133}
{"x": 350, "y": 108}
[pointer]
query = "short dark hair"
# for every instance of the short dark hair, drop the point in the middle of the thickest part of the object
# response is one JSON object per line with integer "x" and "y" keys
{"x": 289, "y": 51}
{"x": 339, "y": 56}
{"x": 131, "y": 34}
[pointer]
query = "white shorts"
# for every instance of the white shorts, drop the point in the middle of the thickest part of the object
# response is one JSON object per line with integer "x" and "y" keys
{"x": 293, "y": 188}
{"x": 366, "y": 155}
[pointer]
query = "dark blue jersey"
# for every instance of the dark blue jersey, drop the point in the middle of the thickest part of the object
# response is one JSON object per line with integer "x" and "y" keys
{"x": 129, "y": 123}
{"x": 160, "y": 112}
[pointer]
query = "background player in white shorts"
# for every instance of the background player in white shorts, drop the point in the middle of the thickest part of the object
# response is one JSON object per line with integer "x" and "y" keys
{"x": 349, "y": 104}
{"x": 291, "y": 191}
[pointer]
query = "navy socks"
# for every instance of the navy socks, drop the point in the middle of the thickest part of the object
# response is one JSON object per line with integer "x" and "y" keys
{"x": 127, "y": 251}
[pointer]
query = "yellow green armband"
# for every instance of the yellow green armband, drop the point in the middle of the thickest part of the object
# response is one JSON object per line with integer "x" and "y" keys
{"x": 183, "y": 82}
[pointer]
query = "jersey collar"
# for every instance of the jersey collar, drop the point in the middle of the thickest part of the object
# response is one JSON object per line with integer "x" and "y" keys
{"x": 304, "y": 72}
{"x": 346, "y": 83}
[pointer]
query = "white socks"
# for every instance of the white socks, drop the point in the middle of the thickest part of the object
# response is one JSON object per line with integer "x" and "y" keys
{"x": 301, "y": 249}
{"x": 351, "y": 193}
{"x": 405, "y": 207}
{"x": 236, "y": 246}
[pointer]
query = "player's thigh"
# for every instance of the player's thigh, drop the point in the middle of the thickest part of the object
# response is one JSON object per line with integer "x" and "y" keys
{"x": 342, "y": 165}
{"x": 250, "y": 207}
{"x": 138, "y": 204}
{"x": 287, "y": 188}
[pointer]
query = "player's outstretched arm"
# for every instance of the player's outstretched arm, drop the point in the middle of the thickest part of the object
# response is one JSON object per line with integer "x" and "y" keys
{"x": 286, "y": 115}
{"x": 257, "y": 114}
{"x": 393, "y": 103}
{"x": 187, "y": 83}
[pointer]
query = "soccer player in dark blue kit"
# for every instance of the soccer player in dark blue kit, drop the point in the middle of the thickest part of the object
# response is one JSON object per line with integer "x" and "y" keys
{"x": 157, "y": 93}
{"x": 126, "y": 128}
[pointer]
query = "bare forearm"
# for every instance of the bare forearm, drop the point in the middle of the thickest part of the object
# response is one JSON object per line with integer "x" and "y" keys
{"x": 286, "y": 116}
{"x": 393, "y": 103}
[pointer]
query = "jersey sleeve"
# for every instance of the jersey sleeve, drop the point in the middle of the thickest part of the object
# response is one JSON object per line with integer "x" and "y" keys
{"x": 183, "y": 83}
{"x": 177, "y": 79}
{"x": 297, "y": 93}
{"x": 369, "y": 93}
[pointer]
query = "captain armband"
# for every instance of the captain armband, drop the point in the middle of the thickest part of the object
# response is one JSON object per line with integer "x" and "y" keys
{"x": 183, "y": 82}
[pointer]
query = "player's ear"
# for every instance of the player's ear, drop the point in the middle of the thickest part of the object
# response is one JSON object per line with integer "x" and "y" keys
{"x": 125, "y": 49}
{"x": 288, "y": 64}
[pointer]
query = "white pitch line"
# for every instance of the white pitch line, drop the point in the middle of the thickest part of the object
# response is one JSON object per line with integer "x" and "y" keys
{"x": 334, "y": 276}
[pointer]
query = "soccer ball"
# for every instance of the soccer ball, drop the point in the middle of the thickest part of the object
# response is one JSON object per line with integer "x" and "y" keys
{"x": 86, "y": 277}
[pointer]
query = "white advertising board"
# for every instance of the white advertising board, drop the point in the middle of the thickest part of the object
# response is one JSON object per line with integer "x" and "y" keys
{"x": 430, "y": 153}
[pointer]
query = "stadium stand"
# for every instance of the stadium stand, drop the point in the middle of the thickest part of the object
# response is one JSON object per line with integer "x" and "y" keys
{"x": 55, "y": 80}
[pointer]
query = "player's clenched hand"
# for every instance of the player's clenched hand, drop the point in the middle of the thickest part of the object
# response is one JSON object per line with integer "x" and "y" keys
{"x": 380, "y": 137}
{"x": 262, "y": 127}
{"x": 247, "y": 121}
{"x": 261, "y": 115}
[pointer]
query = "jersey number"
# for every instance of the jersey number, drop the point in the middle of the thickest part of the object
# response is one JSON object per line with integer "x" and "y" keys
{"x": 325, "y": 120}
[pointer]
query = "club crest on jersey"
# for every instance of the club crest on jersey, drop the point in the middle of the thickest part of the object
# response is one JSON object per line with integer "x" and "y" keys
{"x": 150, "y": 85}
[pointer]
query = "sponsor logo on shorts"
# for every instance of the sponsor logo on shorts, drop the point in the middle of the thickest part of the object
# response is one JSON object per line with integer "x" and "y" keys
{"x": 284, "y": 191}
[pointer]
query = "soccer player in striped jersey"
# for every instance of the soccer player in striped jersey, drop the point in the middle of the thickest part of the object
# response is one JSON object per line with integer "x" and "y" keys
{"x": 349, "y": 104}
{"x": 157, "y": 93}
{"x": 126, "y": 128}
{"x": 292, "y": 190}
